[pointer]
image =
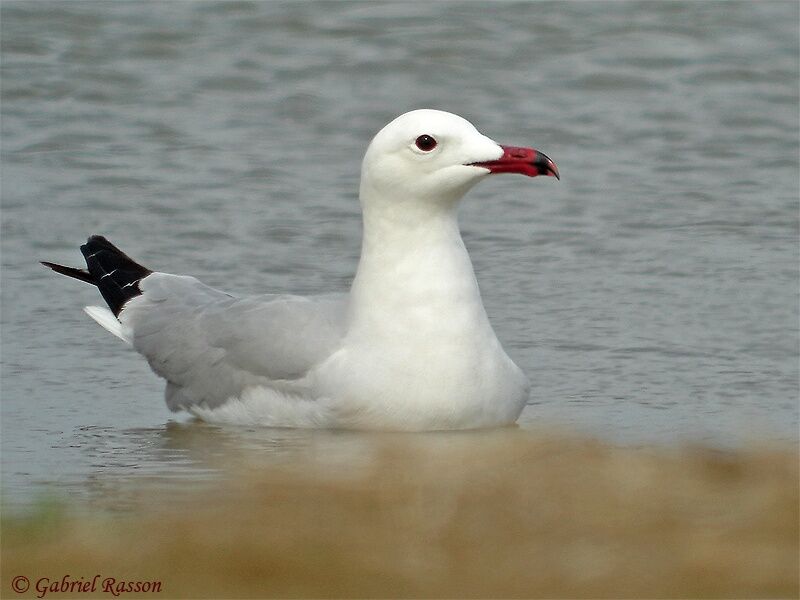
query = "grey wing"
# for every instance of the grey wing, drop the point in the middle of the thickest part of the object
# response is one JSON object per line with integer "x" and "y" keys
{"x": 210, "y": 346}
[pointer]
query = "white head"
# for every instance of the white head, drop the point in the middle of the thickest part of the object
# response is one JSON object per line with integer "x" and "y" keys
{"x": 434, "y": 157}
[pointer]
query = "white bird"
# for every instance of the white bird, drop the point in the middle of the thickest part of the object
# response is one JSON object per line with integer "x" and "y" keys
{"x": 409, "y": 348}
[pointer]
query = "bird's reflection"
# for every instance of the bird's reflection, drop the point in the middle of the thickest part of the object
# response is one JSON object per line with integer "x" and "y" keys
{"x": 137, "y": 465}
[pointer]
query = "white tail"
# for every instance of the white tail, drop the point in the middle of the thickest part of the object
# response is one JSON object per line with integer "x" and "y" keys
{"x": 108, "y": 321}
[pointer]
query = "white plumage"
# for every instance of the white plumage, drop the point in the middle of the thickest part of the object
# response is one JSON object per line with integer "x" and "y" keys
{"x": 409, "y": 348}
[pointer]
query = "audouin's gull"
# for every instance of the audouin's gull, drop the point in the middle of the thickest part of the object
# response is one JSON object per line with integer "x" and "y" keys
{"x": 409, "y": 348}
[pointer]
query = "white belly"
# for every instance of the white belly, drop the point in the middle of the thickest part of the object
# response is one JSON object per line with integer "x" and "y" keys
{"x": 418, "y": 387}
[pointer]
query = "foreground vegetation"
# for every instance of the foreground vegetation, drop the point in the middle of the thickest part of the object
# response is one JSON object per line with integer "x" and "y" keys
{"x": 510, "y": 514}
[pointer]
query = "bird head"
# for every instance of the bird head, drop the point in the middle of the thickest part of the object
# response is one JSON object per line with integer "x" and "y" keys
{"x": 435, "y": 157}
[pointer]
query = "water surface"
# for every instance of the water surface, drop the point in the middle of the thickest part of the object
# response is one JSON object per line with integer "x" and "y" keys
{"x": 651, "y": 296}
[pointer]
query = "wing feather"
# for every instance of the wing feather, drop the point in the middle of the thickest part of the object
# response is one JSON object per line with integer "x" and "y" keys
{"x": 210, "y": 346}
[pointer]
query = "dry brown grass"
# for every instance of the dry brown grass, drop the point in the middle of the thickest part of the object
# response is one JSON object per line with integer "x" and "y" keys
{"x": 505, "y": 514}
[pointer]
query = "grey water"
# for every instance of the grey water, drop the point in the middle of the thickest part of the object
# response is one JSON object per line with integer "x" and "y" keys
{"x": 651, "y": 295}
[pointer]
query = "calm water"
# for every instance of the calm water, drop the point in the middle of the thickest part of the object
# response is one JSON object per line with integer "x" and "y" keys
{"x": 651, "y": 295}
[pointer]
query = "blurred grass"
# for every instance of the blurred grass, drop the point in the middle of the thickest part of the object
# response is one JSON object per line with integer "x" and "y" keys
{"x": 498, "y": 514}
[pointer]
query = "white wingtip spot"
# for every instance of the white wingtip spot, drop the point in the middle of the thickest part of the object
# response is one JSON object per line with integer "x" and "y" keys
{"x": 106, "y": 319}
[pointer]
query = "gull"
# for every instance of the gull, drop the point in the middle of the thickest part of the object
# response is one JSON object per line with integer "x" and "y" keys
{"x": 409, "y": 348}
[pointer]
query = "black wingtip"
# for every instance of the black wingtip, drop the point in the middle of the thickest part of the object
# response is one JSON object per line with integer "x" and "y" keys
{"x": 70, "y": 272}
{"x": 115, "y": 274}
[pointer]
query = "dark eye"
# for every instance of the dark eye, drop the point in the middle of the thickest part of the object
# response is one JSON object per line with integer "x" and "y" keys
{"x": 426, "y": 143}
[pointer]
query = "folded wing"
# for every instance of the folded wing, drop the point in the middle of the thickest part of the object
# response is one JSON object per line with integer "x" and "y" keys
{"x": 210, "y": 346}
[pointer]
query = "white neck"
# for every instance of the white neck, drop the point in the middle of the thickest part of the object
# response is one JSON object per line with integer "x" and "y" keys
{"x": 415, "y": 276}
